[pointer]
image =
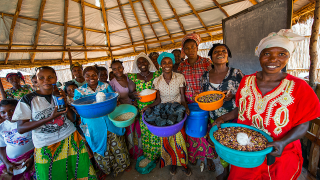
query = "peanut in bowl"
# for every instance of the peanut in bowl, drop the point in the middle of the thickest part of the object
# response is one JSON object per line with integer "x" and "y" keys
{"x": 210, "y": 100}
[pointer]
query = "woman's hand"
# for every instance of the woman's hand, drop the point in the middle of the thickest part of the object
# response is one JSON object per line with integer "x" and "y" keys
{"x": 144, "y": 109}
{"x": 10, "y": 166}
{"x": 29, "y": 163}
{"x": 187, "y": 110}
{"x": 63, "y": 94}
{"x": 278, "y": 147}
{"x": 136, "y": 95}
{"x": 55, "y": 113}
{"x": 218, "y": 122}
{"x": 229, "y": 95}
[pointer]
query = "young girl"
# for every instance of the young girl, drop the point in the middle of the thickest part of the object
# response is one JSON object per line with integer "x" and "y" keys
{"x": 34, "y": 82}
{"x": 170, "y": 86}
{"x": 103, "y": 74}
{"x": 106, "y": 140}
{"x": 60, "y": 153}
{"x": 76, "y": 70}
{"x": 69, "y": 88}
{"x": 17, "y": 91}
{"x": 15, "y": 148}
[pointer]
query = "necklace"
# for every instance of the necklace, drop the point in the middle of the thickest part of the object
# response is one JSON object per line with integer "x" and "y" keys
{"x": 145, "y": 77}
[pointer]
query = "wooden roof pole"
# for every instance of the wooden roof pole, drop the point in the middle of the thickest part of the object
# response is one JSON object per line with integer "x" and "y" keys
{"x": 104, "y": 16}
{"x": 220, "y": 7}
{"x": 84, "y": 31}
{"x": 154, "y": 32}
{"x": 125, "y": 22}
{"x": 36, "y": 37}
{"x": 313, "y": 48}
{"x": 160, "y": 17}
{"x": 294, "y": 1}
{"x": 254, "y": 2}
{"x": 65, "y": 28}
{"x": 13, "y": 24}
{"x": 70, "y": 60}
{"x": 177, "y": 17}
{"x": 195, "y": 12}
{"x": 304, "y": 10}
{"x": 135, "y": 15}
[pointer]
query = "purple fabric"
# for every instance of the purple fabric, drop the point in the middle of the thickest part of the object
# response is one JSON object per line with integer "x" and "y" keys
{"x": 27, "y": 175}
{"x": 123, "y": 92}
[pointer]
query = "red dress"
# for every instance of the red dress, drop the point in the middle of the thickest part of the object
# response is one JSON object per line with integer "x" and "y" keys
{"x": 291, "y": 103}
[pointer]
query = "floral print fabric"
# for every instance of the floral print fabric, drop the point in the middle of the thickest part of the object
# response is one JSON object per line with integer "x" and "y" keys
{"x": 19, "y": 93}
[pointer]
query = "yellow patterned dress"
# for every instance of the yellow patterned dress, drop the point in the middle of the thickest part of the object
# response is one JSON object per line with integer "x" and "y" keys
{"x": 151, "y": 144}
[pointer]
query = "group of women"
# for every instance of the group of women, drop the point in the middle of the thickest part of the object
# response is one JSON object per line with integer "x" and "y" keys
{"x": 270, "y": 100}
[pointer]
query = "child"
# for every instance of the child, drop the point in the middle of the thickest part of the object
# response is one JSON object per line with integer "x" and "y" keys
{"x": 15, "y": 148}
{"x": 111, "y": 75}
{"x": 60, "y": 153}
{"x": 34, "y": 82}
{"x": 69, "y": 88}
{"x": 103, "y": 74}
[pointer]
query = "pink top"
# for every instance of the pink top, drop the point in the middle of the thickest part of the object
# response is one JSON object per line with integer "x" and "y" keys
{"x": 123, "y": 92}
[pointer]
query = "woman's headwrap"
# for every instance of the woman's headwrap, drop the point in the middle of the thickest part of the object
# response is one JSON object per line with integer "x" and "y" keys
{"x": 218, "y": 44}
{"x": 194, "y": 36}
{"x": 135, "y": 68}
{"x": 76, "y": 64}
{"x": 19, "y": 74}
{"x": 284, "y": 39}
{"x": 164, "y": 55}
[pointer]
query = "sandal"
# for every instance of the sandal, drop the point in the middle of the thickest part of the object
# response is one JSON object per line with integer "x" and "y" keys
{"x": 187, "y": 171}
{"x": 211, "y": 165}
{"x": 173, "y": 170}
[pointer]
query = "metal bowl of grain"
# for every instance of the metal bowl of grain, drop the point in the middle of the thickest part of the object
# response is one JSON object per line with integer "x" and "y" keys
{"x": 124, "y": 115}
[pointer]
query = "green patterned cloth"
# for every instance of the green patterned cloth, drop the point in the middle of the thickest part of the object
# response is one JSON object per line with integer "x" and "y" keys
{"x": 151, "y": 144}
{"x": 19, "y": 93}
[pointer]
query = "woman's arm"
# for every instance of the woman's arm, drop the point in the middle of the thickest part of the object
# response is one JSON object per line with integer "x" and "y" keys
{"x": 27, "y": 125}
{"x": 183, "y": 100}
{"x": 227, "y": 117}
{"x": 294, "y": 134}
{"x": 3, "y": 156}
{"x": 133, "y": 94}
{"x": 155, "y": 102}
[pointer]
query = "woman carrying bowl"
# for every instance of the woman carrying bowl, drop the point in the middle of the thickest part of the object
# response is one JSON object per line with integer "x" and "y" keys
{"x": 144, "y": 73}
{"x": 221, "y": 78}
{"x": 275, "y": 102}
{"x": 170, "y": 86}
{"x": 193, "y": 69}
{"x": 106, "y": 140}
{"x": 120, "y": 84}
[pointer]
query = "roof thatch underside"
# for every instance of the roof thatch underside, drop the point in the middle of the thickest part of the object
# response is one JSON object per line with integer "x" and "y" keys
{"x": 41, "y": 32}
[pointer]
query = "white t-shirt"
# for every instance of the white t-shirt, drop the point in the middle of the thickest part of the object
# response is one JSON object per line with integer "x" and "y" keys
{"x": 35, "y": 107}
{"x": 16, "y": 144}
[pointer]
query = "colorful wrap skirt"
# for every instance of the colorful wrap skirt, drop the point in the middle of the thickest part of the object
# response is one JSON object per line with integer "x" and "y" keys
{"x": 67, "y": 159}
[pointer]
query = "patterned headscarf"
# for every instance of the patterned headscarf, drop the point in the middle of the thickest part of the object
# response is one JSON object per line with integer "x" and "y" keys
{"x": 19, "y": 74}
{"x": 194, "y": 36}
{"x": 284, "y": 39}
{"x": 76, "y": 64}
{"x": 135, "y": 68}
{"x": 164, "y": 55}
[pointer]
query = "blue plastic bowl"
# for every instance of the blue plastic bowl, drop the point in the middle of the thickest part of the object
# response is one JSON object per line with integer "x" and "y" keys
{"x": 121, "y": 109}
{"x": 86, "y": 109}
{"x": 240, "y": 158}
{"x": 165, "y": 131}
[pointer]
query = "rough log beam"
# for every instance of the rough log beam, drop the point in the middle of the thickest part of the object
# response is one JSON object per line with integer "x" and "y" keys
{"x": 13, "y": 24}
{"x": 26, "y": 63}
{"x": 304, "y": 10}
{"x": 84, "y": 31}
{"x": 195, "y": 13}
{"x": 125, "y": 22}
{"x": 135, "y": 15}
{"x": 65, "y": 28}
{"x": 160, "y": 18}
{"x": 220, "y": 7}
{"x": 254, "y": 2}
{"x": 177, "y": 17}
{"x": 313, "y": 48}
{"x": 104, "y": 16}
{"x": 294, "y": 1}
{"x": 36, "y": 37}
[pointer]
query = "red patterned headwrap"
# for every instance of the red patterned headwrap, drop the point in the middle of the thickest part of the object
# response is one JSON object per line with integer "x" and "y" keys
{"x": 194, "y": 36}
{"x": 19, "y": 74}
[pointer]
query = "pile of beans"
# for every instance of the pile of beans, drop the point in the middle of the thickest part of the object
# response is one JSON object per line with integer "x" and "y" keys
{"x": 228, "y": 137}
{"x": 210, "y": 98}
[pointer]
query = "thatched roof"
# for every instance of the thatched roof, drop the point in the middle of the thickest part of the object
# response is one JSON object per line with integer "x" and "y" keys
{"x": 40, "y": 32}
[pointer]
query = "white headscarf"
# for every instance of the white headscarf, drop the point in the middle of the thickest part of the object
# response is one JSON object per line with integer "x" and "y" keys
{"x": 284, "y": 38}
{"x": 135, "y": 68}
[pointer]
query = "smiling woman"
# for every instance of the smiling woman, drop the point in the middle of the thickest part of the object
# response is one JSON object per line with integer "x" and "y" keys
{"x": 17, "y": 91}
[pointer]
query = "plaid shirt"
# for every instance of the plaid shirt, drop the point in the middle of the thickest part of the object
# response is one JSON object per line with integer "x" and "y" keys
{"x": 193, "y": 75}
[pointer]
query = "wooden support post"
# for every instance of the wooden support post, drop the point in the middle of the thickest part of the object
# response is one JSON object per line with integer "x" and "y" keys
{"x": 84, "y": 31}
{"x": 13, "y": 25}
{"x": 135, "y": 15}
{"x": 125, "y": 22}
{"x": 70, "y": 61}
{"x": 154, "y": 32}
{"x": 36, "y": 37}
{"x": 220, "y": 7}
{"x": 314, "y": 151}
{"x": 3, "y": 92}
{"x": 65, "y": 28}
{"x": 177, "y": 17}
{"x": 313, "y": 48}
{"x": 105, "y": 20}
{"x": 160, "y": 18}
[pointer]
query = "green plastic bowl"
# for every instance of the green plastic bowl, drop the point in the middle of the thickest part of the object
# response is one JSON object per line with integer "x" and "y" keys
{"x": 121, "y": 109}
